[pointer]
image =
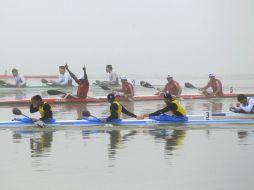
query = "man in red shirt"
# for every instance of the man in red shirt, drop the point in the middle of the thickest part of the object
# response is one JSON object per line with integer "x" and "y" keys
{"x": 127, "y": 89}
{"x": 83, "y": 84}
{"x": 172, "y": 87}
{"x": 216, "y": 86}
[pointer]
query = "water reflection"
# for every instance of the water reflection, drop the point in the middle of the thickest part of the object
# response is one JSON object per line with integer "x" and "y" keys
{"x": 40, "y": 141}
{"x": 16, "y": 94}
{"x": 215, "y": 105}
{"x": 116, "y": 142}
{"x": 173, "y": 138}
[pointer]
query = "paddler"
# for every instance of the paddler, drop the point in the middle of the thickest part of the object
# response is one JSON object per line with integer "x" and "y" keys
{"x": 82, "y": 81}
{"x": 173, "y": 106}
{"x": 64, "y": 78}
{"x": 37, "y": 104}
{"x": 116, "y": 109}
{"x": 171, "y": 87}
{"x": 244, "y": 105}
{"x": 20, "y": 80}
{"x": 216, "y": 86}
{"x": 113, "y": 77}
{"x": 127, "y": 89}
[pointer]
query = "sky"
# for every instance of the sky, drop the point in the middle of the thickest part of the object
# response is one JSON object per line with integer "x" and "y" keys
{"x": 150, "y": 37}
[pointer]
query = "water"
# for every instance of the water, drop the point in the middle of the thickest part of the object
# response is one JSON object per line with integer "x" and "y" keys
{"x": 197, "y": 157}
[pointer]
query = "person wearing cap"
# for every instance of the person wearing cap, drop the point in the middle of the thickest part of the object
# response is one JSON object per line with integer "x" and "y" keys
{"x": 64, "y": 78}
{"x": 116, "y": 109}
{"x": 127, "y": 89}
{"x": 171, "y": 87}
{"x": 82, "y": 81}
{"x": 113, "y": 77}
{"x": 172, "y": 105}
{"x": 20, "y": 80}
{"x": 244, "y": 105}
{"x": 216, "y": 86}
{"x": 38, "y": 105}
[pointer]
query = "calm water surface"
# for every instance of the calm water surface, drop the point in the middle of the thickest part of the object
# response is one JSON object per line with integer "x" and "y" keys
{"x": 196, "y": 157}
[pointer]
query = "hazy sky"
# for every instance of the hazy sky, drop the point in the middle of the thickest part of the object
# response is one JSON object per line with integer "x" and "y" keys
{"x": 135, "y": 36}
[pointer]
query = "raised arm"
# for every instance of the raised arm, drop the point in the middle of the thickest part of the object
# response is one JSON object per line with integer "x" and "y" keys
{"x": 71, "y": 74}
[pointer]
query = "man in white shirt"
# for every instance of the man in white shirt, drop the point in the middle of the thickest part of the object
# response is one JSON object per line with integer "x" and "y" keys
{"x": 245, "y": 104}
{"x": 64, "y": 78}
{"x": 113, "y": 78}
{"x": 20, "y": 80}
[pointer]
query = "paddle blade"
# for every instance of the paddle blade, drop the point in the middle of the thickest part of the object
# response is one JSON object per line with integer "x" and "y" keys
{"x": 55, "y": 92}
{"x": 105, "y": 87}
{"x": 146, "y": 84}
{"x": 16, "y": 111}
{"x": 2, "y": 82}
{"x": 86, "y": 113}
{"x": 44, "y": 81}
{"x": 189, "y": 85}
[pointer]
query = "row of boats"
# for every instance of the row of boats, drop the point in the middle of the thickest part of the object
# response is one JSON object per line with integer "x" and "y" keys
{"x": 220, "y": 118}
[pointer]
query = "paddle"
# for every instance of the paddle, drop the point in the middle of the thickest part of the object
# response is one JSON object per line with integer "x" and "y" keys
{"x": 2, "y": 82}
{"x": 86, "y": 113}
{"x": 104, "y": 87}
{"x": 45, "y": 81}
{"x": 17, "y": 111}
{"x": 55, "y": 92}
{"x": 5, "y": 84}
{"x": 189, "y": 85}
{"x": 146, "y": 85}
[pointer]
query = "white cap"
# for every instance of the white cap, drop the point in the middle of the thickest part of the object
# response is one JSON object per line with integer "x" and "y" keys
{"x": 123, "y": 77}
{"x": 211, "y": 75}
{"x": 169, "y": 76}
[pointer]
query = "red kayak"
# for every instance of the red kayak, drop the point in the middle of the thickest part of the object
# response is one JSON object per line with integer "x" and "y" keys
{"x": 104, "y": 99}
{"x": 31, "y": 76}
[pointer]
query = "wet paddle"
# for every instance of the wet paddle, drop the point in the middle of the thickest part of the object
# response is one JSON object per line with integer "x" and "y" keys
{"x": 5, "y": 84}
{"x": 104, "y": 87}
{"x": 2, "y": 82}
{"x": 189, "y": 85}
{"x": 55, "y": 92}
{"x": 17, "y": 111}
{"x": 45, "y": 81}
{"x": 86, "y": 113}
{"x": 146, "y": 85}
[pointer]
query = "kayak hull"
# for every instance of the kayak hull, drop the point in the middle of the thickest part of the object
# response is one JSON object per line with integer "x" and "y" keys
{"x": 128, "y": 122}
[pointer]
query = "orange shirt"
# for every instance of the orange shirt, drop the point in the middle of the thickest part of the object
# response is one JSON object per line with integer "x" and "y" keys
{"x": 83, "y": 89}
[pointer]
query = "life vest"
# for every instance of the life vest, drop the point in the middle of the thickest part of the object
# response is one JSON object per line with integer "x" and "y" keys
{"x": 41, "y": 110}
{"x": 119, "y": 109}
{"x": 180, "y": 110}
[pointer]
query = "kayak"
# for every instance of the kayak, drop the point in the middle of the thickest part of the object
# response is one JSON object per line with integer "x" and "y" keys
{"x": 124, "y": 122}
{"x": 31, "y": 76}
{"x": 98, "y": 99}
